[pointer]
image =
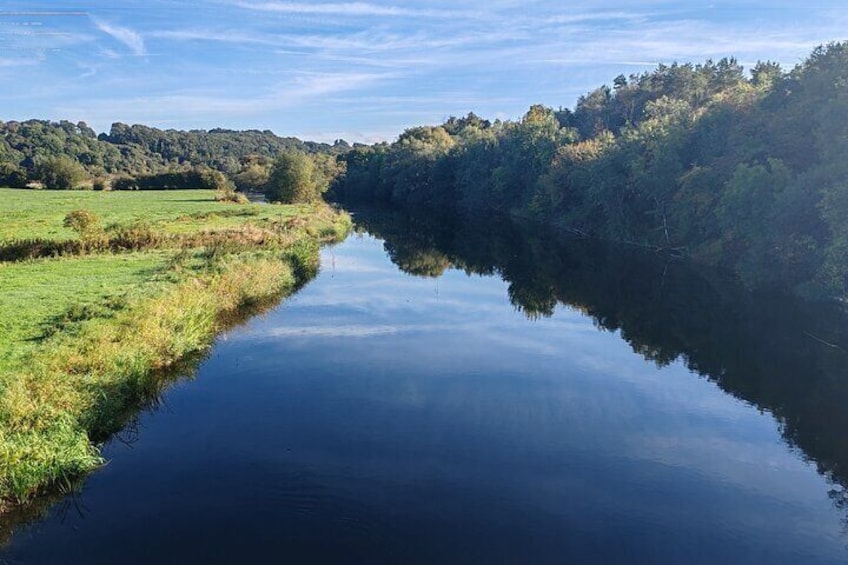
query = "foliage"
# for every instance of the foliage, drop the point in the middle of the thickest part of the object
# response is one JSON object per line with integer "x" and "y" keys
{"x": 199, "y": 177}
{"x": 59, "y": 172}
{"x": 748, "y": 172}
{"x": 139, "y": 157}
{"x": 27, "y": 144}
{"x": 294, "y": 179}
{"x": 12, "y": 175}
{"x": 229, "y": 194}
{"x": 220, "y": 149}
{"x": 101, "y": 184}
{"x": 253, "y": 176}
{"x": 85, "y": 223}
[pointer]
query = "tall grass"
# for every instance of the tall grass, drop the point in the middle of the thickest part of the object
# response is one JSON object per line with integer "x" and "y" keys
{"x": 140, "y": 235}
{"x": 79, "y": 382}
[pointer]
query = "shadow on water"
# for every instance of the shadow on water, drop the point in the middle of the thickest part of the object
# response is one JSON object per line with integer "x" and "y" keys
{"x": 769, "y": 349}
{"x": 124, "y": 428}
{"x": 772, "y": 351}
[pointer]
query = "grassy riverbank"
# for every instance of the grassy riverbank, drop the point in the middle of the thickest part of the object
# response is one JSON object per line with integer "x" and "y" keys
{"x": 83, "y": 334}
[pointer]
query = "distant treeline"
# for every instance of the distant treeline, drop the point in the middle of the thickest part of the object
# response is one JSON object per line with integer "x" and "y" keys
{"x": 67, "y": 155}
{"x": 744, "y": 170}
{"x": 195, "y": 178}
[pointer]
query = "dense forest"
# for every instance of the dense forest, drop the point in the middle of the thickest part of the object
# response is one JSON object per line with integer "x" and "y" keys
{"x": 746, "y": 170}
{"x": 67, "y": 155}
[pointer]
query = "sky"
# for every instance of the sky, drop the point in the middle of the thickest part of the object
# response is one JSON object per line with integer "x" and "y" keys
{"x": 365, "y": 70}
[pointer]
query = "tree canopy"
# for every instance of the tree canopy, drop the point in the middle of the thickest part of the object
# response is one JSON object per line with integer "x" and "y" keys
{"x": 140, "y": 156}
{"x": 293, "y": 179}
{"x": 744, "y": 170}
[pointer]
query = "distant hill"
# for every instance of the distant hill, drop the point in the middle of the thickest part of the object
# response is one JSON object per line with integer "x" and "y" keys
{"x": 136, "y": 150}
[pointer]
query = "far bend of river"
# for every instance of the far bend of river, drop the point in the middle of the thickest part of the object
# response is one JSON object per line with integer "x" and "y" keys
{"x": 572, "y": 403}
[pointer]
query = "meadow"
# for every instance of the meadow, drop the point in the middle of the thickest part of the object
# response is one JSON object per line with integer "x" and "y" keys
{"x": 89, "y": 317}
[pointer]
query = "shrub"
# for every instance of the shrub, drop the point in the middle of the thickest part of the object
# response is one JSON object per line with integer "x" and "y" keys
{"x": 85, "y": 223}
{"x": 292, "y": 179}
{"x": 228, "y": 194}
{"x": 12, "y": 176}
{"x": 60, "y": 172}
{"x": 253, "y": 178}
{"x": 101, "y": 184}
{"x": 200, "y": 177}
{"x": 138, "y": 235}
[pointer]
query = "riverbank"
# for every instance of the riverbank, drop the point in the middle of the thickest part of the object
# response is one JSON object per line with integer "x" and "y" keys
{"x": 150, "y": 281}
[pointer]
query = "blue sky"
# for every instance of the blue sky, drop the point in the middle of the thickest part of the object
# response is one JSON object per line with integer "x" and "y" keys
{"x": 366, "y": 70}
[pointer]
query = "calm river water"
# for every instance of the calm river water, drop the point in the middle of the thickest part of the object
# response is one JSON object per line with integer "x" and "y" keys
{"x": 528, "y": 407}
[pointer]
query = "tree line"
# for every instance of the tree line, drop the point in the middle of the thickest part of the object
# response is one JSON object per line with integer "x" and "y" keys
{"x": 746, "y": 170}
{"x": 64, "y": 155}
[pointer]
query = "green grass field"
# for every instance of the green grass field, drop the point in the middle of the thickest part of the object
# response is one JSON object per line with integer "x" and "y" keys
{"x": 83, "y": 335}
{"x": 30, "y": 214}
{"x": 33, "y": 294}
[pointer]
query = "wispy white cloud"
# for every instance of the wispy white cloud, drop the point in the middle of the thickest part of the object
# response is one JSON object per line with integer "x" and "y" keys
{"x": 205, "y": 105}
{"x": 314, "y": 84}
{"x": 359, "y": 9}
{"x": 88, "y": 70}
{"x": 363, "y": 42}
{"x": 333, "y": 331}
{"x": 130, "y": 38}
{"x": 19, "y": 61}
{"x": 381, "y": 65}
{"x": 600, "y": 16}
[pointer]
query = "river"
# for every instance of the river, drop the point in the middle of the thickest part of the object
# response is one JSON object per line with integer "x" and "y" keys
{"x": 513, "y": 401}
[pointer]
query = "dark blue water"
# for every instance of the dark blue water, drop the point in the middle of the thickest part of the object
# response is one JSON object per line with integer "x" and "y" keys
{"x": 381, "y": 417}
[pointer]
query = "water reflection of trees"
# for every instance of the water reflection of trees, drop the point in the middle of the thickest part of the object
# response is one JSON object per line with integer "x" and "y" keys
{"x": 764, "y": 347}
